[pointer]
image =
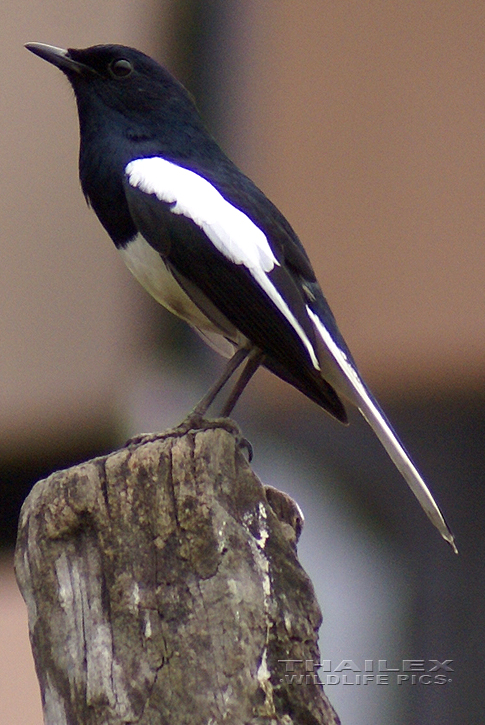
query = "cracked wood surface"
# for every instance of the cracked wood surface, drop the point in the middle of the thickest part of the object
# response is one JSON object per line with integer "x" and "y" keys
{"x": 162, "y": 586}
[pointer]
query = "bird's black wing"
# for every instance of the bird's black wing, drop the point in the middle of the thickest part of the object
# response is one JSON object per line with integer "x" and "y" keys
{"x": 237, "y": 261}
{"x": 241, "y": 191}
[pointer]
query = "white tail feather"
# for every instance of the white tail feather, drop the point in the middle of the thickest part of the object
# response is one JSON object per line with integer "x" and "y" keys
{"x": 341, "y": 373}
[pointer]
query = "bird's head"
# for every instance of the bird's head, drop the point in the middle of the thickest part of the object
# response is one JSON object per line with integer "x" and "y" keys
{"x": 117, "y": 81}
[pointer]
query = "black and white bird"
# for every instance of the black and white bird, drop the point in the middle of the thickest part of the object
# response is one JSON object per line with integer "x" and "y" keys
{"x": 206, "y": 242}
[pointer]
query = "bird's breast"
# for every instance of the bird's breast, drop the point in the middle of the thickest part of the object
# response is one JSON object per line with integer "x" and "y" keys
{"x": 148, "y": 267}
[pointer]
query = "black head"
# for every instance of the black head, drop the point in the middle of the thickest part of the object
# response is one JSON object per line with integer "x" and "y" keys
{"x": 124, "y": 85}
{"x": 129, "y": 107}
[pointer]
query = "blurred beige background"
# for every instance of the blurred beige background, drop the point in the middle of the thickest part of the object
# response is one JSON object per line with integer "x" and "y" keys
{"x": 363, "y": 122}
{"x": 366, "y": 127}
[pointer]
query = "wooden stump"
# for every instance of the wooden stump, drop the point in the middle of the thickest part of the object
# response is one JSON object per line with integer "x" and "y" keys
{"x": 162, "y": 588}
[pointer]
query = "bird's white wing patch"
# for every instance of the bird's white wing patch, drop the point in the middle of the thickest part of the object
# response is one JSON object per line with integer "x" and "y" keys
{"x": 348, "y": 382}
{"x": 229, "y": 229}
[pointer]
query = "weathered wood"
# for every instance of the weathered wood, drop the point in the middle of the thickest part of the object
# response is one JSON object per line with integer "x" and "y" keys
{"x": 163, "y": 589}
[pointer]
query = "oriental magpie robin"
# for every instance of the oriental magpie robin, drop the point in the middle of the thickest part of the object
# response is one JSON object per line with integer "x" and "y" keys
{"x": 206, "y": 242}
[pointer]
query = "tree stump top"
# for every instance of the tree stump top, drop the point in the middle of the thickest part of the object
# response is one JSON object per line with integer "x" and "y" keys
{"x": 162, "y": 587}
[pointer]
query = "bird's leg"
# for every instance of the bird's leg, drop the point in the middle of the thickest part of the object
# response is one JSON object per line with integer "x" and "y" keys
{"x": 255, "y": 359}
{"x": 201, "y": 408}
{"x": 195, "y": 418}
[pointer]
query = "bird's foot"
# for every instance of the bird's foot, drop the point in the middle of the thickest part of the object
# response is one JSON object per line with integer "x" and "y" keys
{"x": 143, "y": 438}
{"x": 196, "y": 422}
{"x": 192, "y": 423}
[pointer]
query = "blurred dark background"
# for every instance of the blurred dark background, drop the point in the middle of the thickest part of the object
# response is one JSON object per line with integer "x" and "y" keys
{"x": 364, "y": 124}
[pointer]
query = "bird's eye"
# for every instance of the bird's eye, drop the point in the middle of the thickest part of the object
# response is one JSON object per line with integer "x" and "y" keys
{"x": 120, "y": 68}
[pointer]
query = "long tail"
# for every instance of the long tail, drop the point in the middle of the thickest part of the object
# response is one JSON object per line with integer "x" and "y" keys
{"x": 340, "y": 371}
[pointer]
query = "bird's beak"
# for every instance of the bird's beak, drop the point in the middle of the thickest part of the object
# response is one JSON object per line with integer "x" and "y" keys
{"x": 58, "y": 57}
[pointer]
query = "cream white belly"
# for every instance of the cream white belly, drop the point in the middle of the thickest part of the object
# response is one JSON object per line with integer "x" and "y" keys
{"x": 150, "y": 270}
